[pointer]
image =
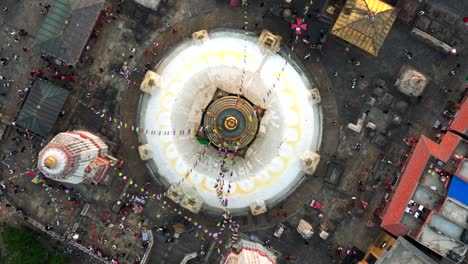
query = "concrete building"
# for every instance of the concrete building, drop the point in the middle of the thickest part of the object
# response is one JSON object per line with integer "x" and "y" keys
{"x": 75, "y": 156}
{"x": 403, "y": 252}
{"x": 429, "y": 201}
{"x": 439, "y": 28}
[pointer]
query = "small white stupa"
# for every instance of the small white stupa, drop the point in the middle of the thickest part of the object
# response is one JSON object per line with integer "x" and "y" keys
{"x": 75, "y": 156}
{"x": 249, "y": 252}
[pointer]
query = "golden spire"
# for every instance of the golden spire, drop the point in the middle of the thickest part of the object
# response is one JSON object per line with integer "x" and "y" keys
{"x": 50, "y": 162}
{"x": 230, "y": 123}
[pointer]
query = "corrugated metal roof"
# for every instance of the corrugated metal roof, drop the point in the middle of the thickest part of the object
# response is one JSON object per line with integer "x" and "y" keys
{"x": 67, "y": 28}
{"x": 42, "y": 107}
{"x": 365, "y": 23}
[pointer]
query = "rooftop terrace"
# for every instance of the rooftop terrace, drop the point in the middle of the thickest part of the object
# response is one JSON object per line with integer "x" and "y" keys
{"x": 427, "y": 197}
{"x": 440, "y": 242}
{"x": 435, "y": 176}
{"x": 455, "y": 212}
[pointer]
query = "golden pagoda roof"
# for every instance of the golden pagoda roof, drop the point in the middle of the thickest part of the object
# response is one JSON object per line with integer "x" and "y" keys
{"x": 365, "y": 23}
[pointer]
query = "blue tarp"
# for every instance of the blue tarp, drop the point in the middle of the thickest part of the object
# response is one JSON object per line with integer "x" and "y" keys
{"x": 458, "y": 190}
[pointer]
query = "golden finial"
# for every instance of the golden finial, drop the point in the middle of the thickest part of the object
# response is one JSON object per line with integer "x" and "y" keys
{"x": 50, "y": 162}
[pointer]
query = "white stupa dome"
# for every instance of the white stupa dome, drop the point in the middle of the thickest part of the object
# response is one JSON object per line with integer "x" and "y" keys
{"x": 291, "y": 125}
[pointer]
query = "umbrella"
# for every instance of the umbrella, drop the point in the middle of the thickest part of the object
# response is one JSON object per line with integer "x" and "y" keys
{"x": 299, "y": 26}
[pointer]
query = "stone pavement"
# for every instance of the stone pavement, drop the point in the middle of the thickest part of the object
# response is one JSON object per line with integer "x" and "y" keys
{"x": 335, "y": 92}
{"x": 173, "y": 253}
{"x": 291, "y": 243}
{"x": 24, "y": 15}
{"x": 231, "y": 18}
{"x": 140, "y": 28}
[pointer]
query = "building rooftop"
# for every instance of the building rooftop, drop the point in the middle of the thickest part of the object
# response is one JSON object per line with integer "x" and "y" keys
{"x": 455, "y": 212}
{"x": 459, "y": 122}
{"x": 365, "y": 23}
{"x": 41, "y": 107}
{"x": 383, "y": 243}
{"x": 441, "y": 23}
{"x": 439, "y": 242}
{"x": 457, "y": 190}
{"x": 442, "y": 230}
{"x": 67, "y": 28}
{"x": 428, "y": 202}
{"x": 404, "y": 252}
{"x": 409, "y": 185}
{"x": 427, "y": 197}
{"x": 463, "y": 171}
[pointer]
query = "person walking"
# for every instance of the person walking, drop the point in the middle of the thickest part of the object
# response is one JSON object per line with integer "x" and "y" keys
{"x": 409, "y": 55}
{"x": 338, "y": 250}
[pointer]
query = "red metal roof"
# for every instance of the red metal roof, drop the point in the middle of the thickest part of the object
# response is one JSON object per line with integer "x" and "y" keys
{"x": 406, "y": 186}
{"x": 460, "y": 122}
{"x": 424, "y": 149}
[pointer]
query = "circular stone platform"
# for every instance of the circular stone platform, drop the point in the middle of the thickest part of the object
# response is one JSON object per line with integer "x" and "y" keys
{"x": 191, "y": 74}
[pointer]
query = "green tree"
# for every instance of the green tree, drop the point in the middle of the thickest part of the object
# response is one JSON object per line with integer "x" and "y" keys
{"x": 58, "y": 259}
{"x": 22, "y": 247}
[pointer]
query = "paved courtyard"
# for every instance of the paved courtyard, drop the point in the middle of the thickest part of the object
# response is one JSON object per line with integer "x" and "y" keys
{"x": 124, "y": 36}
